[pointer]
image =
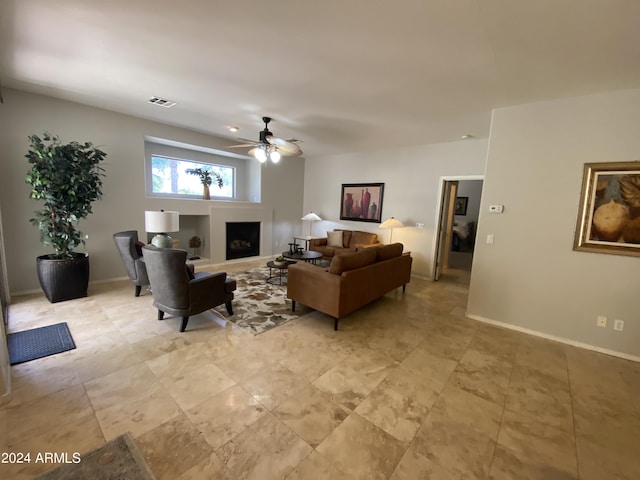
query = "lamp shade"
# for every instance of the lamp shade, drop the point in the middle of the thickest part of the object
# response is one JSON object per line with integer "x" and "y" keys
{"x": 311, "y": 217}
{"x": 392, "y": 223}
{"x": 161, "y": 222}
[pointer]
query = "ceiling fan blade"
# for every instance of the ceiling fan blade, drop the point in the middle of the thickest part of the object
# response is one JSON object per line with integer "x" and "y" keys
{"x": 243, "y": 145}
{"x": 285, "y": 146}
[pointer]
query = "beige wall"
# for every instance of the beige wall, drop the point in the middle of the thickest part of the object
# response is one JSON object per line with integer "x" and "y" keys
{"x": 412, "y": 178}
{"x": 531, "y": 278}
{"x": 124, "y": 202}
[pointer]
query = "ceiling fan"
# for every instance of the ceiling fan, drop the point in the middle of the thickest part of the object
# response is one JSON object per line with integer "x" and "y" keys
{"x": 270, "y": 147}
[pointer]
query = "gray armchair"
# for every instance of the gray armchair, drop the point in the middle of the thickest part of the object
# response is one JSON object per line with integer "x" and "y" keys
{"x": 176, "y": 293}
{"x": 127, "y": 243}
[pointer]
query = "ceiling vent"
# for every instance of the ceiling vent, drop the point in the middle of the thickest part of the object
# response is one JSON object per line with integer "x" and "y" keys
{"x": 162, "y": 102}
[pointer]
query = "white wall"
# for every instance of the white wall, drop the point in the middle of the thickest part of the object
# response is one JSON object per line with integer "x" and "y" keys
{"x": 124, "y": 202}
{"x": 531, "y": 278}
{"x": 412, "y": 178}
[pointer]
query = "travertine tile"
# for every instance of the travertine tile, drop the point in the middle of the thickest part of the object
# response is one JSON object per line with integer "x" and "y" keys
{"x": 225, "y": 415}
{"x": 137, "y": 416}
{"x": 468, "y": 400}
{"x": 484, "y": 375}
{"x": 400, "y": 403}
{"x": 316, "y": 467}
{"x": 510, "y": 465}
{"x": 173, "y": 448}
{"x": 209, "y": 468}
{"x": 267, "y": 449}
{"x": 540, "y": 442}
{"x": 359, "y": 448}
{"x": 460, "y": 433}
{"x": 311, "y": 414}
{"x": 273, "y": 385}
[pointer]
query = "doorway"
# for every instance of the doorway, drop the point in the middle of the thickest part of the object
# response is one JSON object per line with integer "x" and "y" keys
{"x": 457, "y": 223}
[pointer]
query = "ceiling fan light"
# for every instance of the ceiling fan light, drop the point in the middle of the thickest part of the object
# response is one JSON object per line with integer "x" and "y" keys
{"x": 260, "y": 155}
{"x": 275, "y": 156}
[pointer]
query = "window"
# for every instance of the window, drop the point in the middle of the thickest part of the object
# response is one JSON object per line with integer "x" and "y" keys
{"x": 170, "y": 177}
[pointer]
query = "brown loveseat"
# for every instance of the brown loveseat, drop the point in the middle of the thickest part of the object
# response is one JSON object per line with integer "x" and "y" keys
{"x": 351, "y": 281}
{"x": 340, "y": 242}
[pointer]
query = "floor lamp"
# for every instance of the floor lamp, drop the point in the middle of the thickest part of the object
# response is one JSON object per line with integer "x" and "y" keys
{"x": 311, "y": 217}
{"x": 391, "y": 224}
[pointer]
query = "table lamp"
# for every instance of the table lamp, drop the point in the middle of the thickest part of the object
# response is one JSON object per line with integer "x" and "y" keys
{"x": 161, "y": 222}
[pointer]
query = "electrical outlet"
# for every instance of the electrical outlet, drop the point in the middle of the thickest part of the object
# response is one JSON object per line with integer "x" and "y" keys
{"x": 601, "y": 321}
{"x": 618, "y": 325}
{"x": 420, "y": 225}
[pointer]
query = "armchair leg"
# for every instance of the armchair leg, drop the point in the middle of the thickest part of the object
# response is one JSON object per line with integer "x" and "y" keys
{"x": 404, "y": 287}
{"x": 160, "y": 314}
{"x": 335, "y": 325}
{"x": 138, "y": 290}
{"x": 229, "y": 307}
{"x": 185, "y": 320}
{"x": 293, "y": 305}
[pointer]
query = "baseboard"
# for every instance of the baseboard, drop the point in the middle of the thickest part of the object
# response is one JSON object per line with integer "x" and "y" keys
{"x": 546, "y": 336}
{"x": 117, "y": 279}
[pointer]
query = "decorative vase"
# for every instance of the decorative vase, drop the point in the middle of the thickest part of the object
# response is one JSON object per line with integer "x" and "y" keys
{"x": 205, "y": 193}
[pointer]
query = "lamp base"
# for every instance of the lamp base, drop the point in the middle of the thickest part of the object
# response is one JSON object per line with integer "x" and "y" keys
{"x": 162, "y": 240}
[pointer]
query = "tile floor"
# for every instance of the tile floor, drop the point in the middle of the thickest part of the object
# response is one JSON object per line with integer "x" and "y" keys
{"x": 407, "y": 389}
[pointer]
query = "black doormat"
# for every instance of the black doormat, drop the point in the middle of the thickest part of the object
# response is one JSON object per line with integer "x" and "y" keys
{"x": 39, "y": 342}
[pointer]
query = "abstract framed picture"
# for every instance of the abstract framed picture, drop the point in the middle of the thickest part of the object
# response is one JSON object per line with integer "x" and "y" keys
{"x": 461, "y": 206}
{"x": 361, "y": 202}
{"x": 609, "y": 215}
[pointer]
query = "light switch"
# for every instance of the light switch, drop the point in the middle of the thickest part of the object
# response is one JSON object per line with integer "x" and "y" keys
{"x": 490, "y": 239}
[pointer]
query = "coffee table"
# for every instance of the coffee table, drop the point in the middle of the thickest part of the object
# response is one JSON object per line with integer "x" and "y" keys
{"x": 280, "y": 278}
{"x": 306, "y": 256}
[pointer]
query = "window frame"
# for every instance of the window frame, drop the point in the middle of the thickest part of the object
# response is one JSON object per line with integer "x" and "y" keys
{"x": 177, "y": 195}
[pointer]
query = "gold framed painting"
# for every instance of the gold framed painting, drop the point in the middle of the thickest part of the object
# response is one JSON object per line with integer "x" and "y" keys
{"x": 609, "y": 215}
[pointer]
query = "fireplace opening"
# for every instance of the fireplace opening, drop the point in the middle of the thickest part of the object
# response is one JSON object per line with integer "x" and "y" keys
{"x": 243, "y": 239}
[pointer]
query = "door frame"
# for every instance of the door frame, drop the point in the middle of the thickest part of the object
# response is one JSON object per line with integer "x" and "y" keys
{"x": 441, "y": 217}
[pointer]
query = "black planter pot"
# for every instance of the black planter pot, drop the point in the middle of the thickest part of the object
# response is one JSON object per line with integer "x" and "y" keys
{"x": 64, "y": 279}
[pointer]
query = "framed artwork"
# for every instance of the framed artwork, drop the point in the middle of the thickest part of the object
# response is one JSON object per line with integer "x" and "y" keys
{"x": 609, "y": 215}
{"x": 461, "y": 206}
{"x": 361, "y": 202}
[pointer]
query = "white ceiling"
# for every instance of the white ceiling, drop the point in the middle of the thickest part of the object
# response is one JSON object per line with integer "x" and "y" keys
{"x": 342, "y": 75}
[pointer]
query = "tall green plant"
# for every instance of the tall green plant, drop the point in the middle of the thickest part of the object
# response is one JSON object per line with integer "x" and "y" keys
{"x": 68, "y": 178}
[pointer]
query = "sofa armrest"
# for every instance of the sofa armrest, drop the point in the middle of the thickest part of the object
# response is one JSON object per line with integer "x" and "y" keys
{"x": 314, "y": 287}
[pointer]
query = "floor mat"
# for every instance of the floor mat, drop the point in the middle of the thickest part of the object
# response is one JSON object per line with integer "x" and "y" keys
{"x": 39, "y": 342}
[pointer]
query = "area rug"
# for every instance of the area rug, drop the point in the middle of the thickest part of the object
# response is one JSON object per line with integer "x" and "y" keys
{"x": 117, "y": 459}
{"x": 257, "y": 305}
{"x": 39, "y": 342}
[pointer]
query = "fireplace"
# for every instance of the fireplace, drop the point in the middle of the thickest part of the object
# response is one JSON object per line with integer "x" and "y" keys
{"x": 243, "y": 239}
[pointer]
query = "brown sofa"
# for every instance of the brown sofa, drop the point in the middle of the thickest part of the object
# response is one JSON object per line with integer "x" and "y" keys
{"x": 351, "y": 240}
{"x": 351, "y": 281}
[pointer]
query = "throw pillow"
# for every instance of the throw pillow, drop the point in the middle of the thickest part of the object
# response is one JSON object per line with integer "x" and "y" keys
{"x": 334, "y": 239}
{"x": 351, "y": 261}
{"x": 389, "y": 251}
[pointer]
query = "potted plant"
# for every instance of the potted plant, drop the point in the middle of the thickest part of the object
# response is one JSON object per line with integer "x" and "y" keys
{"x": 68, "y": 179}
{"x": 280, "y": 261}
{"x": 205, "y": 178}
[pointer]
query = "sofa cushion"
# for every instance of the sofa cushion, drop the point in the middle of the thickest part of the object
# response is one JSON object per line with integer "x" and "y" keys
{"x": 359, "y": 238}
{"x": 351, "y": 261}
{"x": 334, "y": 239}
{"x": 346, "y": 237}
{"x": 385, "y": 252}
